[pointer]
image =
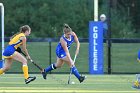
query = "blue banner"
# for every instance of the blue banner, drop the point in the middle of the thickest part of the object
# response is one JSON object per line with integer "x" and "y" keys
{"x": 96, "y": 47}
{"x": 1, "y": 63}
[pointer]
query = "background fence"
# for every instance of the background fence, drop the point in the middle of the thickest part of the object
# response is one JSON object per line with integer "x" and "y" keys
{"x": 123, "y": 56}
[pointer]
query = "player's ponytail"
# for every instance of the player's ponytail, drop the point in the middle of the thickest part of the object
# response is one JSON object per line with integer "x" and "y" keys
{"x": 22, "y": 29}
{"x": 66, "y": 25}
{"x": 66, "y": 28}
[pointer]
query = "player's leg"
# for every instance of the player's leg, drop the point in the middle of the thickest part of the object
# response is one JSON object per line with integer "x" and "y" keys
{"x": 7, "y": 54}
{"x": 136, "y": 84}
{"x": 53, "y": 66}
{"x": 7, "y": 65}
{"x": 74, "y": 69}
{"x": 59, "y": 63}
{"x": 17, "y": 56}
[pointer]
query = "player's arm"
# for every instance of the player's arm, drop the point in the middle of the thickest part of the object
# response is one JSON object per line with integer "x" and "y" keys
{"x": 77, "y": 43}
{"x": 64, "y": 45}
{"x": 24, "y": 47}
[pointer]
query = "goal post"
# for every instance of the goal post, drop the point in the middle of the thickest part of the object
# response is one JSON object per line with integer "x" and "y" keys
{"x": 2, "y": 32}
{"x": 95, "y": 10}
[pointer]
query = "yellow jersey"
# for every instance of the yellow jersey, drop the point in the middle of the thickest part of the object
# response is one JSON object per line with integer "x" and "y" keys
{"x": 15, "y": 41}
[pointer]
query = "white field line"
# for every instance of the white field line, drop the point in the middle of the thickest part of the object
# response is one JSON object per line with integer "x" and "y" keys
{"x": 65, "y": 91}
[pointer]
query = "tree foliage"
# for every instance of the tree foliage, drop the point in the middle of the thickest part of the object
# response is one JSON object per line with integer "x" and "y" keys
{"x": 46, "y": 17}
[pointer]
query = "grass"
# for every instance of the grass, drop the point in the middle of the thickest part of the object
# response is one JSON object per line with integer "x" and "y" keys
{"x": 57, "y": 83}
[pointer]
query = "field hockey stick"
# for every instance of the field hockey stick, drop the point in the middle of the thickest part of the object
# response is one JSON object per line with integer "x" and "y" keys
{"x": 20, "y": 51}
{"x": 71, "y": 70}
{"x": 41, "y": 69}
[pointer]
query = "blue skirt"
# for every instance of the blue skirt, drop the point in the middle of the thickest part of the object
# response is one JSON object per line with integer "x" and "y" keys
{"x": 9, "y": 51}
{"x": 60, "y": 53}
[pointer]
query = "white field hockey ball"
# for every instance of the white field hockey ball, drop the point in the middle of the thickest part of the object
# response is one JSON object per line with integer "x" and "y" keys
{"x": 72, "y": 82}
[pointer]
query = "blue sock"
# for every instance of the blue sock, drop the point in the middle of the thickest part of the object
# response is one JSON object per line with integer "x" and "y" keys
{"x": 75, "y": 72}
{"x": 139, "y": 54}
{"x": 51, "y": 67}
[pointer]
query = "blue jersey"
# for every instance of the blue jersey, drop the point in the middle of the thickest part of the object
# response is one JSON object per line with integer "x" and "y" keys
{"x": 59, "y": 49}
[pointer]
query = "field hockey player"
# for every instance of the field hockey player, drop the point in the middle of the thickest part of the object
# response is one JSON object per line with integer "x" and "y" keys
{"x": 11, "y": 54}
{"x": 63, "y": 55}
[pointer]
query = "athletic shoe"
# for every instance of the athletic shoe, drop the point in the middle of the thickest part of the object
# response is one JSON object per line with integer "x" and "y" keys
{"x": 82, "y": 78}
{"x": 136, "y": 87}
{"x": 29, "y": 79}
{"x": 44, "y": 74}
{"x": 136, "y": 84}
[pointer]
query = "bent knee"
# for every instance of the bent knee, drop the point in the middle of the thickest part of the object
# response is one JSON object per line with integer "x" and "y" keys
{"x": 24, "y": 62}
{"x": 6, "y": 69}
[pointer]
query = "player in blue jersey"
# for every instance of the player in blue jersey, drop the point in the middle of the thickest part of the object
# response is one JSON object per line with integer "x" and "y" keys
{"x": 63, "y": 55}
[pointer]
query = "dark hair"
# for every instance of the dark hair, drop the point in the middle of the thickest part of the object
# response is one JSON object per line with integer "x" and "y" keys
{"x": 66, "y": 28}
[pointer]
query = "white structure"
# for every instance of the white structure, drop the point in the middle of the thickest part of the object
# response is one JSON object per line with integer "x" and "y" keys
{"x": 95, "y": 10}
{"x": 2, "y": 25}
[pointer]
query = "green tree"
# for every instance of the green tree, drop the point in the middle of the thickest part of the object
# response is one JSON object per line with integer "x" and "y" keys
{"x": 46, "y": 17}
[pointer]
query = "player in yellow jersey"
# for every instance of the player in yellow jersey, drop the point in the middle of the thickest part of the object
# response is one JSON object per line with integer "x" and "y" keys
{"x": 10, "y": 54}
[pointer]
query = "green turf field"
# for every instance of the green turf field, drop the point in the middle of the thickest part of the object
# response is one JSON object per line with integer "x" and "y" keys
{"x": 14, "y": 83}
